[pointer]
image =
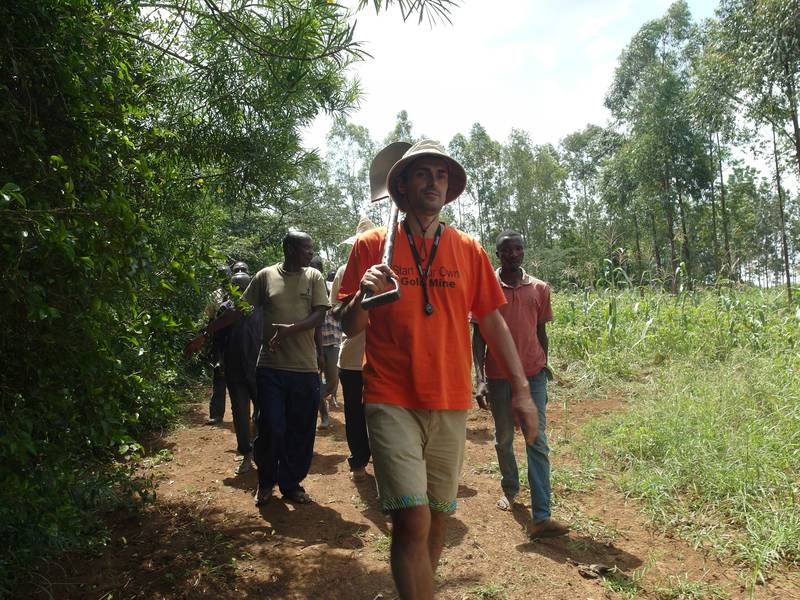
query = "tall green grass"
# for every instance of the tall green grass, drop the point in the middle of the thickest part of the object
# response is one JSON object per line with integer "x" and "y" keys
{"x": 711, "y": 440}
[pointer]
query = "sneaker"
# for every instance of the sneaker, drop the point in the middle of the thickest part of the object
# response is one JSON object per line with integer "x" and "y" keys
{"x": 325, "y": 422}
{"x": 547, "y": 529}
{"x": 262, "y": 496}
{"x": 358, "y": 475}
{"x": 244, "y": 466}
{"x": 213, "y": 420}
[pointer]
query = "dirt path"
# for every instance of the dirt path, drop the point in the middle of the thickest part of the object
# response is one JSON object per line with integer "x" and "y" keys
{"x": 203, "y": 537}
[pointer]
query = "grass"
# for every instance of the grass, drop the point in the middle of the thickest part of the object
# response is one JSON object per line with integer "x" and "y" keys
{"x": 682, "y": 588}
{"x": 488, "y": 591}
{"x": 627, "y": 587}
{"x": 710, "y": 443}
{"x": 383, "y": 544}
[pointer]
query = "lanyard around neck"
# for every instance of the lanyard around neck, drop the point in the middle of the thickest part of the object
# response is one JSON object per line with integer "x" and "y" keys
{"x": 423, "y": 274}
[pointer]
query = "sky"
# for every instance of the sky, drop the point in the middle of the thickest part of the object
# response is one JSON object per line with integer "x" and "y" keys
{"x": 539, "y": 65}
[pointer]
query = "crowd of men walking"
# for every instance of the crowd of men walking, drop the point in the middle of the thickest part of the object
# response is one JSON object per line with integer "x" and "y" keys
{"x": 404, "y": 366}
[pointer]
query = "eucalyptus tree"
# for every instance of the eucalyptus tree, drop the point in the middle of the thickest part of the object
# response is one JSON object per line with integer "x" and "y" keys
{"x": 715, "y": 112}
{"x": 584, "y": 153}
{"x": 759, "y": 45}
{"x": 754, "y": 230}
{"x": 350, "y": 151}
{"x": 627, "y": 211}
{"x": 518, "y": 180}
{"x": 482, "y": 158}
{"x": 648, "y": 97}
{"x": 533, "y": 185}
{"x": 403, "y": 130}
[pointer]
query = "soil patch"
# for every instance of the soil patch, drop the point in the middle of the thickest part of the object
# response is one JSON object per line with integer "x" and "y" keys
{"x": 204, "y": 538}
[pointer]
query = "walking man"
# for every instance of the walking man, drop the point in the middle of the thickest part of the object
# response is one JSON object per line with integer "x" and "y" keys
{"x": 526, "y": 313}
{"x": 241, "y": 357}
{"x": 417, "y": 386}
{"x": 351, "y": 364}
{"x": 328, "y": 337}
{"x": 216, "y": 404}
{"x": 293, "y": 299}
{"x": 239, "y": 341}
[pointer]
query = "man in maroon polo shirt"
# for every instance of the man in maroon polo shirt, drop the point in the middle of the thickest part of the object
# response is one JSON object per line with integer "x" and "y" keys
{"x": 526, "y": 313}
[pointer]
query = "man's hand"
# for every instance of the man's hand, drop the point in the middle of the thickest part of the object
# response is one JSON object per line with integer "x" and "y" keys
{"x": 376, "y": 279}
{"x": 282, "y": 331}
{"x": 193, "y": 345}
{"x": 526, "y": 416}
{"x": 482, "y": 395}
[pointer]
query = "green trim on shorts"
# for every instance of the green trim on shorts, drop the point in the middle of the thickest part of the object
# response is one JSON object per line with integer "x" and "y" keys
{"x": 418, "y": 500}
{"x": 404, "y": 502}
{"x": 442, "y": 506}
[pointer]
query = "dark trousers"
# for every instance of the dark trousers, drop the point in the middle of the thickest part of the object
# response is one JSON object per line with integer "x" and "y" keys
{"x": 242, "y": 393}
{"x": 287, "y": 418}
{"x": 216, "y": 405}
{"x": 355, "y": 425}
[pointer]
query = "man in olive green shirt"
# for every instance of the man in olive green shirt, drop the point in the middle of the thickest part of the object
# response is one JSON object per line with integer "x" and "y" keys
{"x": 294, "y": 299}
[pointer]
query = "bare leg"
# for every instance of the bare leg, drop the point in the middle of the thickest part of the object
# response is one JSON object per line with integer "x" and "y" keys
{"x": 410, "y": 555}
{"x": 436, "y": 537}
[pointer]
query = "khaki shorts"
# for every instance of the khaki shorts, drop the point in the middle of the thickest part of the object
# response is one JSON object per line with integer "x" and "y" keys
{"x": 417, "y": 455}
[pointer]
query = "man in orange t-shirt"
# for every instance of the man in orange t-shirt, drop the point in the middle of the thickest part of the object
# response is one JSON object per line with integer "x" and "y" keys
{"x": 417, "y": 387}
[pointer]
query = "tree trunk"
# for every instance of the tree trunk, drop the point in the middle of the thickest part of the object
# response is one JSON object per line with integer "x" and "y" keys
{"x": 782, "y": 220}
{"x": 638, "y": 244}
{"x": 673, "y": 258}
{"x": 656, "y": 249}
{"x": 714, "y": 238}
{"x": 724, "y": 213}
{"x": 685, "y": 248}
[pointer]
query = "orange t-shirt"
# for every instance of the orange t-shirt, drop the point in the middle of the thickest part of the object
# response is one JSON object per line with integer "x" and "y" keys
{"x": 413, "y": 359}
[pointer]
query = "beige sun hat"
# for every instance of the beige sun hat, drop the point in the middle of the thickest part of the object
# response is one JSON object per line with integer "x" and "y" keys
{"x": 364, "y": 225}
{"x": 457, "y": 177}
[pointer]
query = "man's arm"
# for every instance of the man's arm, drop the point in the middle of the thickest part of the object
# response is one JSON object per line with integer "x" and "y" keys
{"x": 541, "y": 333}
{"x": 228, "y": 318}
{"x": 375, "y": 280}
{"x": 284, "y": 330}
{"x": 495, "y": 331}
{"x": 478, "y": 359}
{"x": 318, "y": 344}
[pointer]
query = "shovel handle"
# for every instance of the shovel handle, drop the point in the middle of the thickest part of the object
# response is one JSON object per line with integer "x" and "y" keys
{"x": 370, "y": 301}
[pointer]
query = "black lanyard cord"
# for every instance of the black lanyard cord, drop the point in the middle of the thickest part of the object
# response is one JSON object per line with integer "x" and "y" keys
{"x": 423, "y": 274}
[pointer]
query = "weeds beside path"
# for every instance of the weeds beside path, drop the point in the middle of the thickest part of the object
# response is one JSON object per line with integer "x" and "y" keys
{"x": 203, "y": 538}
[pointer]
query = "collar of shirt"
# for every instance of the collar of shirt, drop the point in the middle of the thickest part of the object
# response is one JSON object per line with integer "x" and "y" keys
{"x": 524, "y": 280}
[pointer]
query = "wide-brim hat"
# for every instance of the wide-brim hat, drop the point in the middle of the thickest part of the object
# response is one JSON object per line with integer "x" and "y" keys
{"x": 379, "y": 169}
{"x": 457, "y": 176}
{"x": 364, "y": 225}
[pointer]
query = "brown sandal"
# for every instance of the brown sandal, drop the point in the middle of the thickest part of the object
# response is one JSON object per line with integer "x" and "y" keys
{"x": 298, "y": 497}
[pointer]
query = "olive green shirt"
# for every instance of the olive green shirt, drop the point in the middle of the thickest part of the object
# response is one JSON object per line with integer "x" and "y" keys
{"x": 287, "y": 297}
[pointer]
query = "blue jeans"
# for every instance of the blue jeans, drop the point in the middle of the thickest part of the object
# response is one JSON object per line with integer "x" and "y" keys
{"x": 538, "y": 461}
{"x": 287, "y": 418}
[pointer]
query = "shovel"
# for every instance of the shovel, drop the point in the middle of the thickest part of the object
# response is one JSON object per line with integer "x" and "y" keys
{"x": 378, "y": 170}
